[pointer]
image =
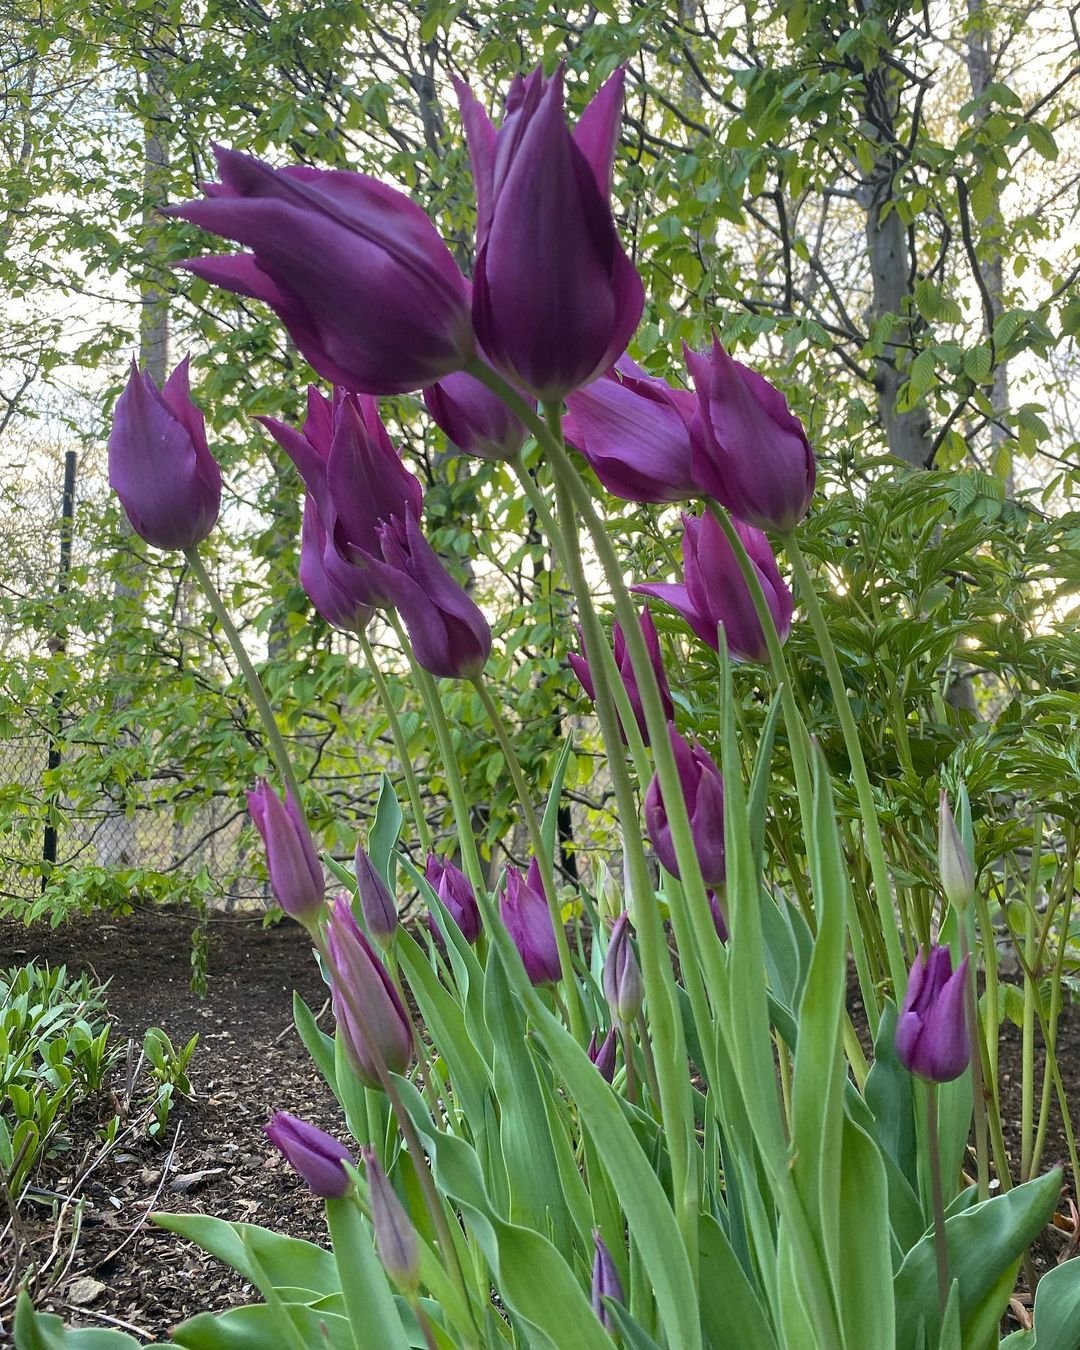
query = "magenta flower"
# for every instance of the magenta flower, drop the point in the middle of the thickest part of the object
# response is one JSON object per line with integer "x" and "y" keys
{"x": 159, "y": 463}
{"x": 621, "y": 976}
{"x": 931, "y": 1034}
{"x": 455, "y": 890}
{"x": 354, "y": 270}
{"x": 475, "y": 421}
{"x": 369, "y": 1011}
{"x": 602, "y": 1054}
{"x": 555, "y": 298}
{"x": 714, "y": 593}
{"x": 750, "y": 450}
{"x": 296, "y": 874}
{"x": 316, "y": 1155}
{"x": 357, "y": 481}
{"x": 449, "y": 635}
{"x": 703, "y": 790}
{"x": 634, "y": 430}
{"x": 524, "y": 911}
{"x": 581, "y": 668}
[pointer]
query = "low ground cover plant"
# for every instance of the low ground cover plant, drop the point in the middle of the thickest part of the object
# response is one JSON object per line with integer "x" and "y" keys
{"x": 581, "y": 1139}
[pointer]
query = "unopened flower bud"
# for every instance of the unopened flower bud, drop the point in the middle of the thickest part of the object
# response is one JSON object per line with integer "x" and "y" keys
{"x": 395, "y": 1236}
{"x": 376, "y": 903}
{"x": 603, "y": 1055}
{"x": 622, "y": 974}
{"x": 931, "y": 1033}
{"x": 296, "y": 875}
{"x": 955, "y": 863}
{"x": 317, "y": 1156}
{"x": 605, "y": 1282}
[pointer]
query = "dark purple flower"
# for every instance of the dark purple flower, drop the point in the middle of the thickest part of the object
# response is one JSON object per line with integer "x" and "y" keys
{"x": 355, "y": 271}
{"x": 449, "y": 635}
{"x": 603, "y": 1055}
{"x": 357, "y": 481}
{"x": 750, "y": 450}
{"x": 634, "y": 430}
{"x": 931, "y": 1034}
{"x": 703, "y": 790}
{"x": 159, "y": 463}
{"x": 376, "y": 903}
{"x": 395, "y": 1236}
{"x": 317, "y": 1156}
{"x": 524, "y": 911}
{"x": 296, "y": 874}
{"x": 455, "y": 890}
{"x": 475, "y": 421}
{"x": 581, "y": 669}
{"x": 605, "y": 1282}
{"x": 555, "y": 298}
{"x": 621, "y": 976}
{"x": 369, "y": 1011}
{"x": 716, "y": 909}
{"x": 332, "y": 601}
{"x": 714, "y": 593}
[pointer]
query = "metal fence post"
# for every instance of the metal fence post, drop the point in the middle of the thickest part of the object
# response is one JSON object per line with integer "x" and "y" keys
{"x": 59, "y": 644}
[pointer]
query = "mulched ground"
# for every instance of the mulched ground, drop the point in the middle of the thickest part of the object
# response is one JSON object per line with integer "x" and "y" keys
{"x": 214, "y": 1158}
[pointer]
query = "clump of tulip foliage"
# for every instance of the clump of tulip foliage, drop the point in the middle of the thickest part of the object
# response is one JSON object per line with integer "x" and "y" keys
{"x": 567, "y": 1150}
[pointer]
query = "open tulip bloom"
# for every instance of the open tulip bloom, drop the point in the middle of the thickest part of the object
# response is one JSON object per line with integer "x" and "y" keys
{"x": 723, "y": 1167}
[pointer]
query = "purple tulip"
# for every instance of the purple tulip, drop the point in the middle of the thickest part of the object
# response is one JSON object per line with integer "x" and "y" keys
{"x": 376, "y": 903}
{"x": 714, "y": 593}
{"x": 931, "y": 1034}
{"x": 524, "y": 911}
{"x": 603, "y": 1055}
{"x": 750, "y": 450}
{"x": 621, "y": 976}
{"x": 555, "y": 298}
{"x": 580, "y": 667}
{"x": 474, "y": 420}
{"x": 605, "y": 1282}
{"x": 296, "y": 874}
{"x": 357, "y": 481}
{"x": 159, "y": 463}
{"x": 316, "y": 1155}
{"x": 395, "y": 1236}
{"x": 716, "y": 910}
{"x": 634, "y": 430}
{"x": 332, "y": 601}
{"x": 449, "y": 635}
{"x": 455, "y": 890}
{"x": 369, "y": 1011}
{"x": 703, "y": 790}
{"x": 354, "y": 270}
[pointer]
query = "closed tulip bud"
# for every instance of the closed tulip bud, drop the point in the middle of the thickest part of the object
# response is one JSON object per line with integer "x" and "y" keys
{"x": 524, "y": 912}
{"x": 621, "y": 977}
{"x": 336, "y": 605}
{"x": 954, "y": 861}
{"x": 932, "y": 1037}
{"x": 634, "y": 430}
{"x": 395, "y": 1236}
{"x": 608, "y": 895}
{"x": 603, "y": 1055}
{"x": 555, "y": 298}
{"x": 716, "y": 910}
{"x": 582, "y": 669}
{"x": 474, "y": 420}
{"x": 713, "y": 593}
{"x": 449, "y": 635}
{"x": 355, "y": 271}
{"x": 703, "y": 790}
{"x": 455, "y": 890}
{"x": 317, "y": 1156}
{"x": 296, "y": 875}
{"x": 376, "y": 903}
{"x": 369, "y": 1011}
{"x": 750, "y": 450}
{"x": 605, "y": 1282}
{"x": 159, "y": 463}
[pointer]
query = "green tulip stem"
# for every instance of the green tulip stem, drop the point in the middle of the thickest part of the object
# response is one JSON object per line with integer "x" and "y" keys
{"x": 978, "y": 1090}
{"x": 871, "y": 828}
{"x": 401, "y": 745}
{"x": 937, "y": 1199}
{"x": 423, "y": 1321}
{"x": 251, "y": 675}
{"x": 650, "y": 1062}
{"x": 458, "y": 800}
{"x": 627, "y": 1037}
{"x": 540, "y": 853}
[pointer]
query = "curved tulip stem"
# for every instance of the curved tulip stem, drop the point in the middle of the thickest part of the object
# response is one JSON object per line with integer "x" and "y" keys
{"x": 251, "y": 675}
{"x": 937, "y": 1200}
{"x": 400, "y": 743}
{"x": 871, "y": 828}
{"x": 544, "y": 862}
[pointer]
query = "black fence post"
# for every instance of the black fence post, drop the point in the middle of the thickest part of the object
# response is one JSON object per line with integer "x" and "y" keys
{"x": 59, "y": 644}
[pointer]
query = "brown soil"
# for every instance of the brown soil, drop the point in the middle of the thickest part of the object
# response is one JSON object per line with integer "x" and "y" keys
{"x": 249, "y": 1062}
